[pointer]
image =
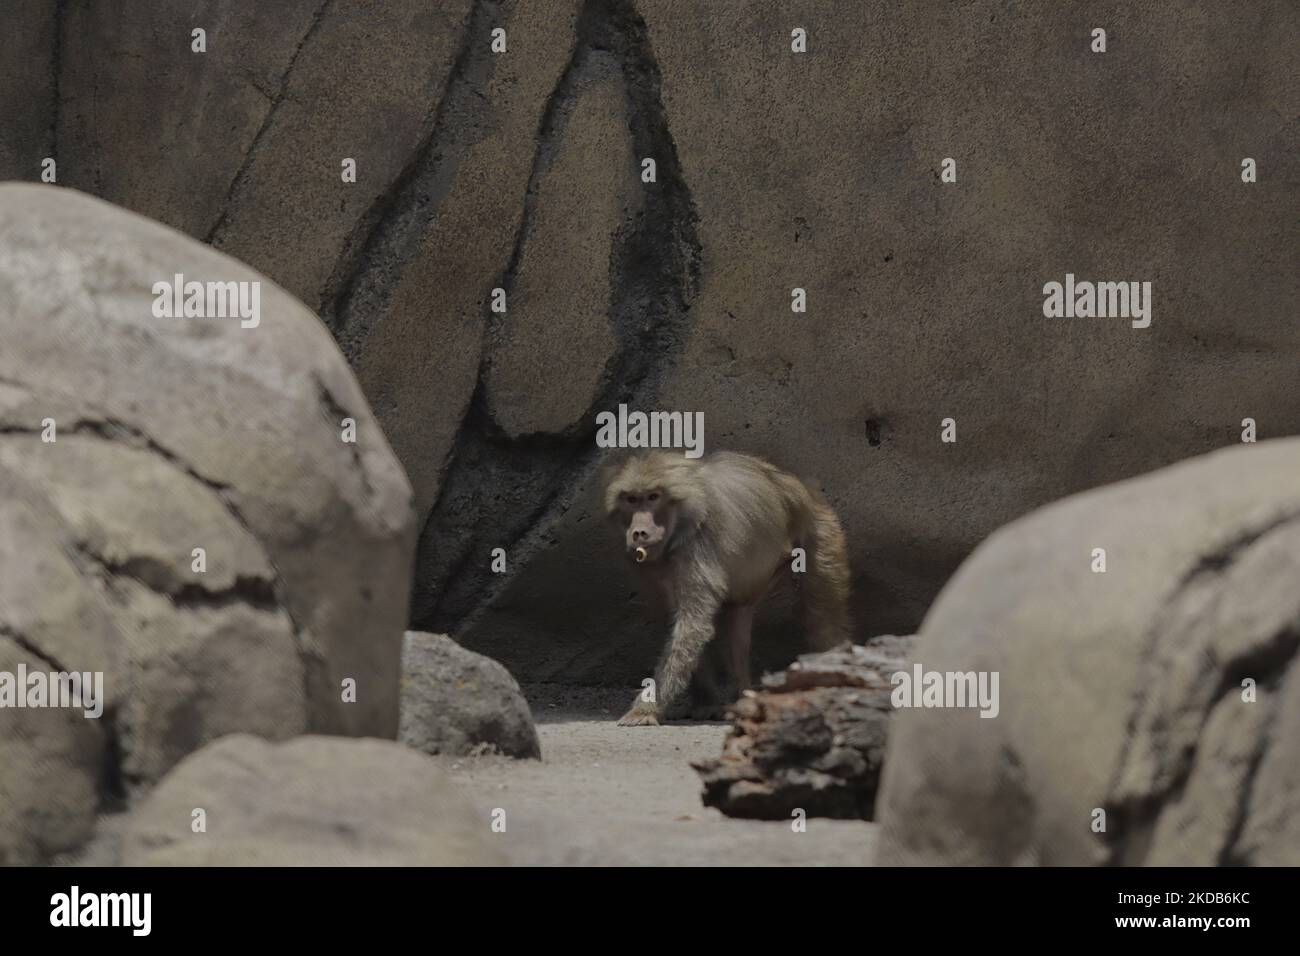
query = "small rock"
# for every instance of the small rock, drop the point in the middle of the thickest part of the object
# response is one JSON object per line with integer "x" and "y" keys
{"x": 461, "y": 703}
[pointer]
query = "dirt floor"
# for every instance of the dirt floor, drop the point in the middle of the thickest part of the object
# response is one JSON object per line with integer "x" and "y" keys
{"x": 609, "y": 795}
{"x": 604, "y": 795}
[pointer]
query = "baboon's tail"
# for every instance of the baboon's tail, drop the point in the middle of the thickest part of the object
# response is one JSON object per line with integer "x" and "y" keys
{"x": 824, "y": 587}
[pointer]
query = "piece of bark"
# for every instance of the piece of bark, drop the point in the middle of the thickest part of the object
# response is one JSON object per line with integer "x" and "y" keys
{"x": 812, "y": 739}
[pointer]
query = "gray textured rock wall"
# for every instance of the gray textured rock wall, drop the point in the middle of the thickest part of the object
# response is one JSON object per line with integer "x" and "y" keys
{"x": 775, "y": 170}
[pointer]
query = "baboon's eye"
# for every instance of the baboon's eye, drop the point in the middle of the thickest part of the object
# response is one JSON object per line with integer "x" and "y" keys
{"x": 633, "y": 499}
{"x": 653, "y": 496}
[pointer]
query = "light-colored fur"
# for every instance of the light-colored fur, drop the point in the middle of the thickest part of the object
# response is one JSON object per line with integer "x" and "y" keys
{"x": 738, "y": 518}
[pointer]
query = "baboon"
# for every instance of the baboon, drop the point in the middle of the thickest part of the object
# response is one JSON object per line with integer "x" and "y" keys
{"x": 713, "y": 535}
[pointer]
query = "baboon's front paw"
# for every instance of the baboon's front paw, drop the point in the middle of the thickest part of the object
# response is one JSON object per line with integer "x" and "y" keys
{"x": 639, "y": 717}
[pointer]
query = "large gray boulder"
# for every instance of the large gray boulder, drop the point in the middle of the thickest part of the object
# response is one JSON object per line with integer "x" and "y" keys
{"x": 171, "y": 435}
{"x": 1120, "y": 692}
{"x": 457, "y": 702}
{"x": 311, "y": 801}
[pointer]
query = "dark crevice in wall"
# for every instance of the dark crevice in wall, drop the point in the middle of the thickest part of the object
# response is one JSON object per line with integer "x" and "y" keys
{"x": 573, "y": 81}
{"x": 511, "y": 492}
{"x": 385, "y": 239}
{"x": 214, "y": 234}
{"x": 56, "y": 80}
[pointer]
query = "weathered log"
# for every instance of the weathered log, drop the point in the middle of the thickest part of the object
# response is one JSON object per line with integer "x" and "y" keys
{"x": 813, "y": 738}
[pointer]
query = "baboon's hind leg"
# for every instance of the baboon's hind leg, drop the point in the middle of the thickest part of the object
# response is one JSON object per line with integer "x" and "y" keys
{"x": 737, "y": 629}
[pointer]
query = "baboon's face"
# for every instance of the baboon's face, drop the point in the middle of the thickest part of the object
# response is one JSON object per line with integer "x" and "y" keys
{"x": 648, "y": 518}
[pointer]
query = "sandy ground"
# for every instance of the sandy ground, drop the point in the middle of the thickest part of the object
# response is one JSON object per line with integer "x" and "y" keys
{"x": 609, "y": 795}
{"x": 604, "y": 795}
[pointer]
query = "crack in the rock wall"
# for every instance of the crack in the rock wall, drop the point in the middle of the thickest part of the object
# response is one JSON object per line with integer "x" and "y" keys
{"x": 388, "y": 235}
{"x": 477, "y": 420}
{"x": 214, "y": 234}
{"x": 1131, "y": 817}
{"x": 550, "y": 131}
{"x": 56, "y": 71}
{"x": 511, "y": 493}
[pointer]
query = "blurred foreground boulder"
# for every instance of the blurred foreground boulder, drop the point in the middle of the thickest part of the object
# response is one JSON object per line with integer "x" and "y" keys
{"x": 312, "y": 801}
{"x": 1159, "y": 699}
{"x": 179, "y": 512}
